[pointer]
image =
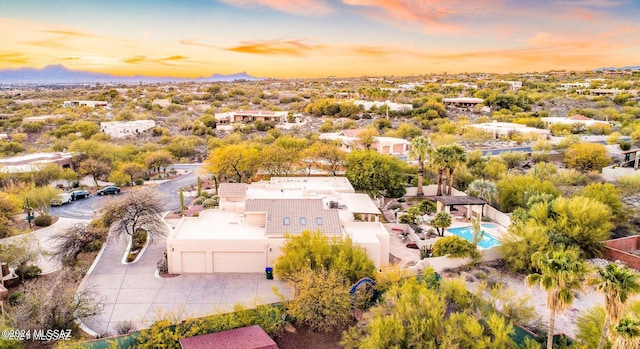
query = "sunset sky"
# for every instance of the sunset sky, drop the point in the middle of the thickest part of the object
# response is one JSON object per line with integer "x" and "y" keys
{"x": 319, "y": 38}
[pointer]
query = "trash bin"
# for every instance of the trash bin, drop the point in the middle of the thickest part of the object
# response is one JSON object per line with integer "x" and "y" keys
{"x": 269, "y": 272}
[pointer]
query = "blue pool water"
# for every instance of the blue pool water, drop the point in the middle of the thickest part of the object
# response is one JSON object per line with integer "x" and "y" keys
{"x": 489, "y": 225}
{"x": 466, "y": 233}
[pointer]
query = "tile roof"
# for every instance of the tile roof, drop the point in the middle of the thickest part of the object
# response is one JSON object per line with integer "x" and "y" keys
{"x": 353, "y": 133}
{"x": 252, "y": 337}
{"x": 293, "y": 216}
{"x": 232, "y": 189}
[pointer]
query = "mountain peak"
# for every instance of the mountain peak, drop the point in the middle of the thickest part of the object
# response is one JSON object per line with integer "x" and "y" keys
{"x": 58, "y": 73}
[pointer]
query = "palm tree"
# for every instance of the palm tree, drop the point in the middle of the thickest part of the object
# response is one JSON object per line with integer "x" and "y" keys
{"x": 420, "y": 149}
{"x": 627, "y": 334}
{"x": 483, "y": 189}
{"x": 561, "y": 275}
{"x": 441, "y": 221}
{"x": 446, "y": 158}
{"x": 617, "y": 283}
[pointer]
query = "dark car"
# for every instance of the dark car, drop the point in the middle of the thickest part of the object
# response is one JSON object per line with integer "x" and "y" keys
{"x": 108, "y": 191}
{"x": 413, "y": 245}
{"x": 79, "y": 194}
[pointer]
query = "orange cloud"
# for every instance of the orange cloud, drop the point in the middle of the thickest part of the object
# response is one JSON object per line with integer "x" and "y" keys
{"x": 428, "y": 15}
{"x": 65, "y": 32}
{"x": 300, "y": 7}
{"x": 275, "y": 47}
{"x": 13, "y": 58}
{"x": 174, "y": 58}
{"x": 135, "y": 60}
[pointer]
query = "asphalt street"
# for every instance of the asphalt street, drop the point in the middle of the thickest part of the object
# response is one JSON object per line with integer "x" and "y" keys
{"x": 167, "y": 190}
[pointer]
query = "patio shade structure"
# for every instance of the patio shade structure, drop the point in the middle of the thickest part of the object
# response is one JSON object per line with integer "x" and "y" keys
{"x": 444, "y": 203}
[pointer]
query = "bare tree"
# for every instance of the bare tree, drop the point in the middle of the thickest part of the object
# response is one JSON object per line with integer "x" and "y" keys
{"x": 69, "y": 243}
{"x": 54, "y": 303}
{"x": 140, "y": 209}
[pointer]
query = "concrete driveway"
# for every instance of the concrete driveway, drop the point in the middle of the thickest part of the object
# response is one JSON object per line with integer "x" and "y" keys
{"x": 133, "y": 292}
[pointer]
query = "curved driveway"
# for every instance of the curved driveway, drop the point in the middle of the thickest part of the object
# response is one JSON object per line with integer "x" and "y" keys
{"x": 133, "y": 291}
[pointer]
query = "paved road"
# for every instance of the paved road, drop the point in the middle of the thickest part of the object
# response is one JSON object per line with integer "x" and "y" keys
{"x": 168, "y": 190}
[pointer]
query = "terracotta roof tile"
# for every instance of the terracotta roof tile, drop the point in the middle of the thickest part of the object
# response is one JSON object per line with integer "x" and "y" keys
{"x": 252, "y": 337}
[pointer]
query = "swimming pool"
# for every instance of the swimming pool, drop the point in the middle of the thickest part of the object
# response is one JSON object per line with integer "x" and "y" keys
{"x": 466, "y": 233}
{"x": 489, "y": 225}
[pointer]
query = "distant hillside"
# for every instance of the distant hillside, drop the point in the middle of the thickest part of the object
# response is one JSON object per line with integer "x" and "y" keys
{"x": 629, "y": 67}
{"x": 60, "y": 74}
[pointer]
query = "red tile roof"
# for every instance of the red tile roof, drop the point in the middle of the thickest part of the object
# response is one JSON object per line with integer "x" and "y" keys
{"x": 252, "y": 337}
{"x": 352, "y": 132}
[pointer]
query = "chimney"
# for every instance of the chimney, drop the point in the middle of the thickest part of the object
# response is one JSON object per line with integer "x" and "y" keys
{"x": 5, "y": 269}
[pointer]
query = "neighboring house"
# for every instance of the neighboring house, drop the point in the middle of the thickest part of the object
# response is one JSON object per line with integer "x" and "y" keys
{"x": 246, "y": 233}
{"x": 349, "y": 140}
{"x": 248, "y": 116}
{"x": 33, "y": 162}
{"x": 573, "y": 120}
{"x": 121, "y": 129}
{"x": 462, "y": 102}
{"x": 41, "y": 118}
{"x": 514, "y": 85}
{"x": 92, "y": 104}
{"x": 367, "y": 105}
{"x": 500, "y": 129}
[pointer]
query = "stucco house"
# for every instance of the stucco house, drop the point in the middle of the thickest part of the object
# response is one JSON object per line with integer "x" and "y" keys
{"x": 573, "y": 120}
{"x": 34, "y": 162}
{"x": 92, "y": 104}
{"x": 122, "y": 129}
{"x": 350, "y": 140}
{"x": 246, "y": 233}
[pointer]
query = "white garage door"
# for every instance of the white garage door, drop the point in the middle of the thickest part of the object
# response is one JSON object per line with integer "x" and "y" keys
{"x": 238, "y": 262}
{"x": 194, "y": 262}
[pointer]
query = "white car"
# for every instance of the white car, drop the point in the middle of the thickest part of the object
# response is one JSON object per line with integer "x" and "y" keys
{"x": 61, "y": 199}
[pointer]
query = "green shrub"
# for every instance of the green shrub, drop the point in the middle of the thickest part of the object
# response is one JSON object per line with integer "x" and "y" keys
{"x": 199, "y": 200}
{"x": 28, "y": 272}
{"x": 139, "y": 240}
{"x": 94, "y": 245}
{"x": 210, "y": 203}
{"x": 454, "y": 246}
{"x": 625, "y": 146}
{"x": 15, "y": 298}
{"x": 42, "y": 221}
{"x": 395, "y": 206}
{"x": 139, "y": 181}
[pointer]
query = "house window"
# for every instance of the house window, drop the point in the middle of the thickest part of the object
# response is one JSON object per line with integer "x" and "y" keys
{"x": 319, "y": 220}
{"x": 286, "y": 221}
{"x": 303, "y": 221}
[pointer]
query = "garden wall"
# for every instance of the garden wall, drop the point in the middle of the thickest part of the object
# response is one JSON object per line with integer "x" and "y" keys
{"x": 618, "y": 250}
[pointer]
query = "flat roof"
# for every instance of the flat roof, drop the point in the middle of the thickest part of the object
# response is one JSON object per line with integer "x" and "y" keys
{"x": 459, "y": 200}
{"x": 228, "y": 225}
{"x": 359, "y": 203}
{"x": 364, "y": 232}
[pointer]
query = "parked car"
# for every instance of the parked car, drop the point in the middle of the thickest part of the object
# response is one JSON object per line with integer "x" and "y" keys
{"x": 60, "y": 199}
{"x": 413, "y": 245}
{"x": 108, "y": 191}
{"x": 79, "y": 194}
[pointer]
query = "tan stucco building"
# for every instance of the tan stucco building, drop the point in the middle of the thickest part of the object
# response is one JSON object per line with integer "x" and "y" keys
{"x": 246, "y": 233}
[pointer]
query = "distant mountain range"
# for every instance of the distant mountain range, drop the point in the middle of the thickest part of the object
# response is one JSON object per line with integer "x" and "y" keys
{"x": 629, "y": 67}
{"x": 53, "y": 74}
